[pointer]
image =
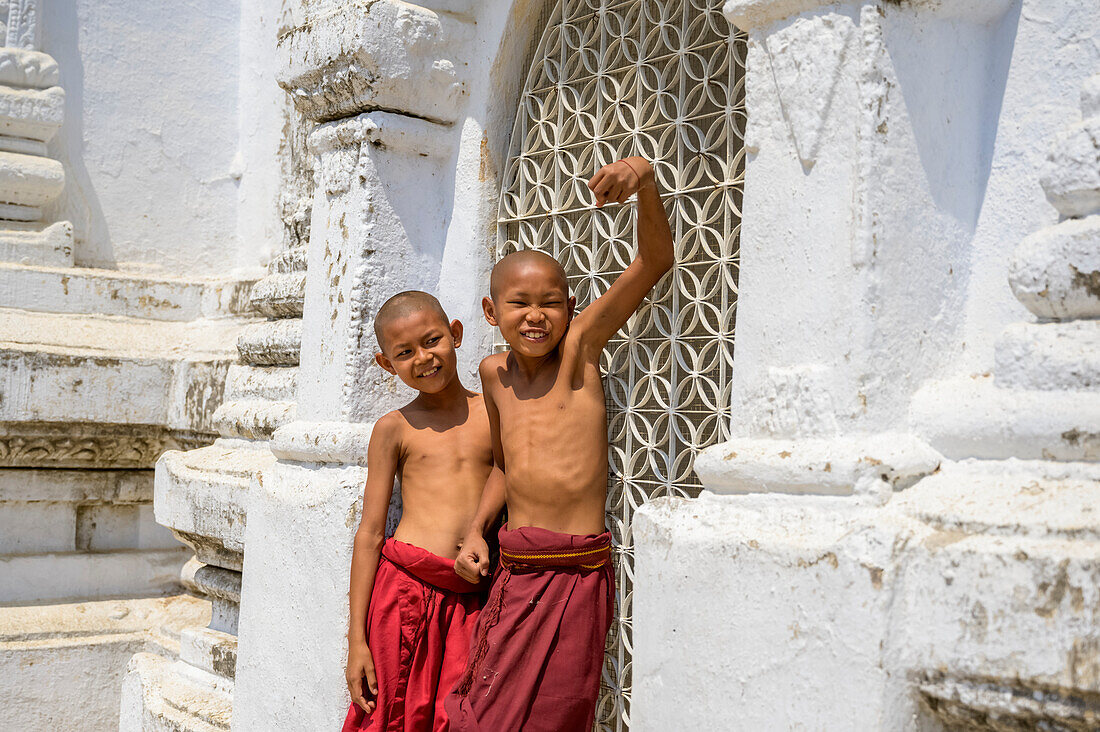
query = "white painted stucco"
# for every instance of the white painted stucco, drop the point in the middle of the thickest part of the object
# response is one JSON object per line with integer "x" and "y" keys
{"x": 152, "y": 129}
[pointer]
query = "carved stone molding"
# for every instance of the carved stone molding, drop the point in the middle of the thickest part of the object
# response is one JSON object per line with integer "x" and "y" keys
{"x": 31, "y": 112}
{"x": 358, "y": 56}
{"x": 20, "y": 21}
{"x": 90, "y": 445}
{"x": 274, "y": 343}
{"x": 1007, "y": 705}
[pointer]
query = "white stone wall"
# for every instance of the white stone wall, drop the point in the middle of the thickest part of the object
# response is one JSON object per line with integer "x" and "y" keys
{"x": 160, "y": 136}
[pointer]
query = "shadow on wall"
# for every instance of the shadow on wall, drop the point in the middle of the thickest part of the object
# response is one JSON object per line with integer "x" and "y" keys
{"x": 952, "y": 73}
{"x": 79, "y": 203}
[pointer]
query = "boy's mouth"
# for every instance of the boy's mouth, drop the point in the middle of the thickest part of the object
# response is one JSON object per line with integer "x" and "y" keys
{"x": 535, "y": 336}
{"x": 430, "y": 372}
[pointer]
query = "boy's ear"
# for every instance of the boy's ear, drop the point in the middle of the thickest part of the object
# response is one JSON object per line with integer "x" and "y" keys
{"x": 456, "y": 332}
{"x": 385, "y": 363}
{"x": 572, "y": 302}
{"x": 489, "y": 309}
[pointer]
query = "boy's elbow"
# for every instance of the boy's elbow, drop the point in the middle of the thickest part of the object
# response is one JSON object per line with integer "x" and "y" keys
{"x": 369, "y": 538}
{"x": 662, "y": 261}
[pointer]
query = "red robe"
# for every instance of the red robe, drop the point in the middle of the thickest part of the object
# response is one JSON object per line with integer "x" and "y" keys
{"x": 418, "y": 628}
{"x": 537, "y": 652}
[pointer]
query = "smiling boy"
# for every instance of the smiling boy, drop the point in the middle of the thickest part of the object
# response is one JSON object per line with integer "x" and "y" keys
{"x": 538, "y": 648}
{"x": 411, "y": 616}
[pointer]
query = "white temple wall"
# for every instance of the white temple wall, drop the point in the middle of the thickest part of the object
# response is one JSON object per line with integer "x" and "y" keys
{"x": 153, "y": 128}
{"x": 498, "y": 58}
{"x": 263, "y": 125}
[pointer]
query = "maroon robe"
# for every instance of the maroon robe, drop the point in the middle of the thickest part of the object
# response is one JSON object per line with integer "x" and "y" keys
{"x": 537, "y": 651}
{"x": 419, "y": 625}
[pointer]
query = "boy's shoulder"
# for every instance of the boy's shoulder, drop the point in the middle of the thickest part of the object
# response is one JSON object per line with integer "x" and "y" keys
{"x": 388, "y": 429}
{"x": 490, "y": 364}
{"x": 392, "y": 420}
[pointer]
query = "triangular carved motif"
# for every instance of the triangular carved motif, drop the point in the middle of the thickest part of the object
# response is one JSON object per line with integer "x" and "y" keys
{"x": 806, "y": 62}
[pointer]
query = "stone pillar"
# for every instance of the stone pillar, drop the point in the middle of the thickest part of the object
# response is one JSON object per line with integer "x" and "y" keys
{"x": 861, "y": 566}
{"x": 378, "y": 226}
{"x": 32, "y": 107}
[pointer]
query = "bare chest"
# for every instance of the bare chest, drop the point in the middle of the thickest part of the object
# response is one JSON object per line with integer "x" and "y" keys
{"x": 455, "y": 449}
{"x": 553, "y": 407}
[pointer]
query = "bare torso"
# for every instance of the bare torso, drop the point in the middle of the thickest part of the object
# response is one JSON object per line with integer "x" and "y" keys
{"x": 444, "y": 462}
{"x": 553, "y": 432}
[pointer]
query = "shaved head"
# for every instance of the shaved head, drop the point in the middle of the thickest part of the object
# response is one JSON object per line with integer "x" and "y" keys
{"x": 403, "y": 304}
{"x": 514, "y": 262}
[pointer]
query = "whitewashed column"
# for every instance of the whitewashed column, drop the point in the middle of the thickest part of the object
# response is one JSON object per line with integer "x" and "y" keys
{"x": 32, "y": 107}
{"x": 382, "y": 82}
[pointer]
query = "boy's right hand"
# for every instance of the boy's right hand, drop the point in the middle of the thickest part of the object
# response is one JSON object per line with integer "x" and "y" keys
{"x": 473, "y": 559}
{"x": 360, "y": 676}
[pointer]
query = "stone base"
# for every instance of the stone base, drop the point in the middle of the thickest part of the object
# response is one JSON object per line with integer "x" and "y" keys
{"x": 166, "y": 696}
{"x": 63, "y": 664}
{"x": 964, "y": 596}
{"x": 294, "y": 601}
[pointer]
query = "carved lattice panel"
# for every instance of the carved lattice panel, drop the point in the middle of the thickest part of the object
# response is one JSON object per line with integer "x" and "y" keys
{"x": 661, "y": 79}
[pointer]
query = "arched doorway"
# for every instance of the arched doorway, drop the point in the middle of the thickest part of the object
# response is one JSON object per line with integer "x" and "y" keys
{"x": 663, "y": 79}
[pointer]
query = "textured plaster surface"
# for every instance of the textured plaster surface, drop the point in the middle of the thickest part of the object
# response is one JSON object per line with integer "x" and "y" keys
{"x": 151, "y": 132}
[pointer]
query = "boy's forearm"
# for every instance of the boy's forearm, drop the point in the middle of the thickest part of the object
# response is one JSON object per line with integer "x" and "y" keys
{"x": 654, "y": 234}
{"x": 364, "y": 567}
{"x": 492, "y": 503}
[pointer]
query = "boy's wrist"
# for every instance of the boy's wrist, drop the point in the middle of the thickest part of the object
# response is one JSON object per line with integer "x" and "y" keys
{"x": 642, "y": 169}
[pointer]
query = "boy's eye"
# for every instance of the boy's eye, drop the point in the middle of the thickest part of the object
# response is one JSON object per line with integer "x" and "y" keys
{"x": 405, "y": 352}
{"x": 433, "y": 339}
{"x": 517, "y": 303}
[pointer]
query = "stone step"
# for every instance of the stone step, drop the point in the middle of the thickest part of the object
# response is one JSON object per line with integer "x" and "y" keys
{"x": 32, "y": 243}
{"x": 110, "y": 292}
{"x": 289, "y": 260}
{"x": 165, "y": 696}
{"x": 60, "y": 657}
{"x": 1039, "y": 499}
{"x": 1055, "y": 272}
{"x": 255, "y": 419}
{"x": 1049, "y": 356}
{"x": 210, "y": 650}
{"x": 280, "y": 295}
{"x": 274, "y": 343}
{"x": 75, "y": 369}
{"x": 1072, "y": 177}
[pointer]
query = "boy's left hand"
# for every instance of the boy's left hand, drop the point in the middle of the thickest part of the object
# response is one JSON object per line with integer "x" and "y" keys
{"x": 621, "y": 179}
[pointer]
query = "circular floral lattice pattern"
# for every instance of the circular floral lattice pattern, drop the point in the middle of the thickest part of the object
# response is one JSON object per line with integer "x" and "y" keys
{"x": 665, "y": 80}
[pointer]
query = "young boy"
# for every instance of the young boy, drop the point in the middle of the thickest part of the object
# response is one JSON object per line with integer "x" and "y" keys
{"x": 537, "y": 652}
{"x": 411, "y": 616}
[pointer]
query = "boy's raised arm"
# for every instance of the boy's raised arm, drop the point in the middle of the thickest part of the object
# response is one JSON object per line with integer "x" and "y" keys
{"x": 382, "y": 460}
{"x": 616, "y": 182}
